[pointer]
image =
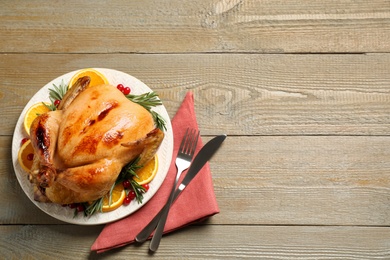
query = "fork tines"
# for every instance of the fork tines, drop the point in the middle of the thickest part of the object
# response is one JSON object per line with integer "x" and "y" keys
{"x": 189, "y": 142}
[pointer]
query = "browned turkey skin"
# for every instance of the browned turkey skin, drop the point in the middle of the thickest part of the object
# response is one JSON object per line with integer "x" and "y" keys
{"x": 80, "y": 149}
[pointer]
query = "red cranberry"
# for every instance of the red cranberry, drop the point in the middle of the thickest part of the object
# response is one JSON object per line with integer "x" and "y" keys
{"x": 80, "y": 208}
{"x": 127, "y": 201}
{"x": 126, "y": 91}
{"x": 126, "y": 184}
{"x": 57, "y": 102}
{"x": 131, "y": 195}
{"x": 120, "y": 87}
{"x": 24, "y": 140}
{"x": 146, "y": 187}
{"x": 73, "y": 205}
{"x": 30, "y": 156}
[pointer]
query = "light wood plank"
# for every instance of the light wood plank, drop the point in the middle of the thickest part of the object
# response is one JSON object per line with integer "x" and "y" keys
{"x": 293, "y": 26}
{"x": 326, "y": 180}
{"x": 303, "y": 180}
{"x": 241, "y": 94}
{"x": 204, "y": 242}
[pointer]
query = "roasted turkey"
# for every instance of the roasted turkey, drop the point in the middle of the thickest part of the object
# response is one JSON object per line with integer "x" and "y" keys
{"x": 80, "y": 149}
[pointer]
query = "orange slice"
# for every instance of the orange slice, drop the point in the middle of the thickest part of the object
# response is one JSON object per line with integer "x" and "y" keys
{"x": 97, "y": 78}
{"x": 118, "y": 195}
{"x": 33, "y": 112}
{"x": 148, "y": 172}
{"x": 26, "y": 155}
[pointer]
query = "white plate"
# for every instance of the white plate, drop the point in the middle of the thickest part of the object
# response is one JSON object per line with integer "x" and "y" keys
{"x": 65, "y": 213}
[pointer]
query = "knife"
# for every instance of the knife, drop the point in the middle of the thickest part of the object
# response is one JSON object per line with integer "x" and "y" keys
{"x": 197, "y": 164}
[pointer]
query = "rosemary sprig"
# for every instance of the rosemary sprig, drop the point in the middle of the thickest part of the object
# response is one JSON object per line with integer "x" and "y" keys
{"x": 129, "y": 170}
{"x": 159, "y": 120}
{"x": 138, "y": 190}
{"x": 127, "y": 173}
{"x": 52, "y": 107}
{"x": 148, "y": 101}
{"x": 90, "y": 209}
{"x": 95, "y": 206}
{"x": 57, "y": 93}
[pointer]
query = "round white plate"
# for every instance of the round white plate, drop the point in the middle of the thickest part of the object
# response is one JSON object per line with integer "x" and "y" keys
{"x": 65, "y": 213}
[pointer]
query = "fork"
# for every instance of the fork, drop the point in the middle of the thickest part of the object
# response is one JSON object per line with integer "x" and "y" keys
{"x": 183, "y": 160}
{"x": 186, "y": 152}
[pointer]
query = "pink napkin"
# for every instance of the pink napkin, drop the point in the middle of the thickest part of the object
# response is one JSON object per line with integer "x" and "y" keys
{"x": 195, "y": 203}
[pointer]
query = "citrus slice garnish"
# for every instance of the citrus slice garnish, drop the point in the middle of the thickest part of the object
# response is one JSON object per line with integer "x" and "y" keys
{"x": 26, "y": 156}
{"x": 148, "y": 172}
{"x": 97, "y": 78}
{"x": 117, "y": 196}
{"x": 33, "y": 112}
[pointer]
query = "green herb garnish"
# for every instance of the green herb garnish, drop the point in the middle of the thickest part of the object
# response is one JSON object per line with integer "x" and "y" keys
{"x": 148, "y": 101}
{"x": 127, "y": 173}
{"x": 90, "y": 209}
{"x": 57, "y": 93}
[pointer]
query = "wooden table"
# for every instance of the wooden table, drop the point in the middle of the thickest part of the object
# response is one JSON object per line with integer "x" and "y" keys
{"x": 302, "y": 88}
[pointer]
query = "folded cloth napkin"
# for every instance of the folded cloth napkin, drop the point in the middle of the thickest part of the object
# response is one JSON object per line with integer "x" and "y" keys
{"x": 195, "y": 203}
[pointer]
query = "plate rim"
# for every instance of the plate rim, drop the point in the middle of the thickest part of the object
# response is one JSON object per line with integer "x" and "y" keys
{"x": 165, "y": 151}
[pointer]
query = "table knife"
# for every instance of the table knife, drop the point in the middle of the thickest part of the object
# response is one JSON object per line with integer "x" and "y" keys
{"x": 200, "y": 160}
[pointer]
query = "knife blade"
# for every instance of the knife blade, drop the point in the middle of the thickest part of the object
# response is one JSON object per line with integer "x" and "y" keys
{"x": 204, "y": 155}
{"x": 199, "y": 161}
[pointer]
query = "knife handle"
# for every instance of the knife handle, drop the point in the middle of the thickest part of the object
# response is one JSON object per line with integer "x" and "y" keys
{"x": 160, "y": 226}
{"x": 144, "y": 234}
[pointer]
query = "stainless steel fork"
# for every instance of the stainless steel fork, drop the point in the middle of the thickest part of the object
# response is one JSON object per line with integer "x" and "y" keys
{"x": 183, "y": 161}
{"x": 186, "y": 152}
{"x": 184, "y": 157}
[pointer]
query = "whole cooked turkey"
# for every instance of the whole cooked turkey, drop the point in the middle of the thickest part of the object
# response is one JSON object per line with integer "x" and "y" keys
{"x": 80, "y": 149}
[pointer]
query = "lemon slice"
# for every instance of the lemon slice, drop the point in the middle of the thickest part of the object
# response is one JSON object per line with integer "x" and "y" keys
{"x": 97, "y": 78}
{"x": 33, "y": 112}
{"x": 147, "y": 173}
{"x": 118, "y": 195}
{"x": 26, "y": 156}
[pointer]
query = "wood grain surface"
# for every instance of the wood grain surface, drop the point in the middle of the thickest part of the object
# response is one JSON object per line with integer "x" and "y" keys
{"x": 174, "y": 26}
{"x": 241, "y": 94}
{"x": 301, "y": 88}
{"x": 204, "y": 242}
